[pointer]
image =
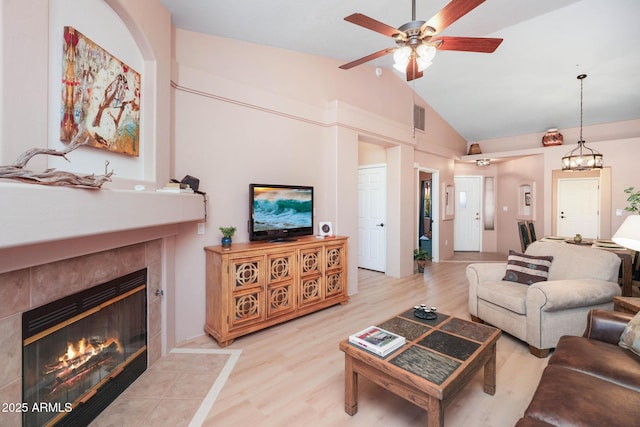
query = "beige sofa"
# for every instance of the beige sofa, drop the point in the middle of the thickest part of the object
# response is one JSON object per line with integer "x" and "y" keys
{"x": 580, "y": 279}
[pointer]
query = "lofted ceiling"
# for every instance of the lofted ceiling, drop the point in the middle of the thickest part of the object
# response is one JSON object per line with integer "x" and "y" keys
{"x": 527, "y": 86}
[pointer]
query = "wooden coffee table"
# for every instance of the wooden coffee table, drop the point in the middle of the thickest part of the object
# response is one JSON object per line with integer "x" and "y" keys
{"x": 438, "y": 360}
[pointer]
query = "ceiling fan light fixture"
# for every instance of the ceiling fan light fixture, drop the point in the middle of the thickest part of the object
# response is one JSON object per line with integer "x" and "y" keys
{"x": 402, "y": 55}
{"x": 423, "y": 64}
{"x": 423, "y": 54}
{"x": 582, "y": 158}
{"x": 401, "y": 58}
{"x": 400, "y": 67}
{"x": 426, "y": 52}
{"x": 416, "y": 36}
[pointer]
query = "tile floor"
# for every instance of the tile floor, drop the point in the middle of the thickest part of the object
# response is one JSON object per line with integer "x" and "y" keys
{"x": 178, "y": 390}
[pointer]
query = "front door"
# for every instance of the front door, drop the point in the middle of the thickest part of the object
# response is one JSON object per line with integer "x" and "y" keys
{"x": 466, "y": 226}
{"x": 578, "y": 207}
{"x": 372, "y": 210}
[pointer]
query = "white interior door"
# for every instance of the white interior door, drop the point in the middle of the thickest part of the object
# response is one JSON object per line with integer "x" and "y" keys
{"x": 372, "y": 210}
{"x": 466, "y": 226}
{"x": 578, "y": 207}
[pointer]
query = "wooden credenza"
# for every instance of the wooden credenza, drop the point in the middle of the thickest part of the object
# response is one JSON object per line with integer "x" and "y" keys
{"x": 251, "y": 286}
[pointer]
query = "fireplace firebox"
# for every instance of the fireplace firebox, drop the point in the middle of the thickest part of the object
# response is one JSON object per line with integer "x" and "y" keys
{"x": 80, "y": 352}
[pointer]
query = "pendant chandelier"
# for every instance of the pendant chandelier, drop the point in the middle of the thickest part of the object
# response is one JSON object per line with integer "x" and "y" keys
{"x": 582, "y": 158}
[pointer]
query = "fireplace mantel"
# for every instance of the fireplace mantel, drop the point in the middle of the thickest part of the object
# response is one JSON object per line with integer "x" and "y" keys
{"x": 32, "y": 214}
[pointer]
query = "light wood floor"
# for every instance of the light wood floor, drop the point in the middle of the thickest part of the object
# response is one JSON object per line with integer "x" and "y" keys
{"x": 293, "y": 374}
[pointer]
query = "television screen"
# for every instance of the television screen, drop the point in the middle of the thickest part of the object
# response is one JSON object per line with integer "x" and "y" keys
{"x": 280, "y": 211}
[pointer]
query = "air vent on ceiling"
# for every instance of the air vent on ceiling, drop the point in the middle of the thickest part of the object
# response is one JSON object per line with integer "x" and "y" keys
{"x": 419, "y": 118}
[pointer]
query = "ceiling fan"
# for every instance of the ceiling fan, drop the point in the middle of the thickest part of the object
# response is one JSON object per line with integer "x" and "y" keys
{"x": 417, "y": 42}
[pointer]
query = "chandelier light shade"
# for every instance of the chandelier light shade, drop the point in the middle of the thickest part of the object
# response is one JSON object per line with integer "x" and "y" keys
{"x": 582, "y": 157}
{"x": 628, "y": 235}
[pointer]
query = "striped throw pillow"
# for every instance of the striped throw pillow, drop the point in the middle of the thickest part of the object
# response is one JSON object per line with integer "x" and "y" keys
{"x": 527, "y": 269}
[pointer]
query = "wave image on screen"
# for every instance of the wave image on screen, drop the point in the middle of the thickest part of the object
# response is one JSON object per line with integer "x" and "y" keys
{"x": 276, "y": 208}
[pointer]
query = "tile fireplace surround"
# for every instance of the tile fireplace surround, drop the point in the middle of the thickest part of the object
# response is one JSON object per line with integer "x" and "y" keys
{"x": 26, "y": 288}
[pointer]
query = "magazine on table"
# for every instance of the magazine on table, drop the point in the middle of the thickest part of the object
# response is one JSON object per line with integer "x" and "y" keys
{"x": 377, "y": 340}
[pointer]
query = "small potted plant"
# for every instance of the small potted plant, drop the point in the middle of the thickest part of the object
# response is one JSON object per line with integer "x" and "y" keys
{"x": 634, "y": 200}
{"x": 421, "y": 257}
{"x": 227, "y": 234}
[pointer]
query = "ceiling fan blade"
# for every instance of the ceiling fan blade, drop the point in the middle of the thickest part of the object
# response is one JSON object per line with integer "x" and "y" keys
{"x": 372, "y": 24}
{"x": 412, "y": 70}
{"x": 367, "y": 58}
{"x": 467, "y": 44}
{"x": 449, "y": 14}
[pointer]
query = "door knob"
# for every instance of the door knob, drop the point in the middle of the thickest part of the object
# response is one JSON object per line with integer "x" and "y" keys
{"x": 380, "y": 225}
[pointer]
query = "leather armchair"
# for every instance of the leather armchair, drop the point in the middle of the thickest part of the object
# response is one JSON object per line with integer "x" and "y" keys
{"x": 588, "y": 369}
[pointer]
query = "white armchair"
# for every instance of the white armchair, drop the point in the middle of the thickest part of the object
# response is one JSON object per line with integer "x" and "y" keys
{"x": 580, "y": 279}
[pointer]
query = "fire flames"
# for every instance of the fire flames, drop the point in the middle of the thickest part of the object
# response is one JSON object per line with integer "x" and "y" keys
{"x": 80, "y": 359}
{"x": 79, "y": 353}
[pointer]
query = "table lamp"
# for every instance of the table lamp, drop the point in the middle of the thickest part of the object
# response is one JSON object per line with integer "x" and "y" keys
{"x": 628, "y": 235}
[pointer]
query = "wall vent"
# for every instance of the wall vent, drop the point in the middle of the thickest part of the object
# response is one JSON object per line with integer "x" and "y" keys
{"x": 419, "y": 118}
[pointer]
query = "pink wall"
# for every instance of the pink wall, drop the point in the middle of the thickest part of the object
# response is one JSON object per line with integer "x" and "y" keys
{"x": 511, "y": 174}
{"x": 23, "y": 108}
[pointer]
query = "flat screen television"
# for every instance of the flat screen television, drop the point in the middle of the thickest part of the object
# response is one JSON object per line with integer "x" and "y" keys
{"x": 280, "y": 212}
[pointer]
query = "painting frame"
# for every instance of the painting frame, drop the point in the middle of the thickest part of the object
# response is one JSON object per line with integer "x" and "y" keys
{"x": 99, "y": 94}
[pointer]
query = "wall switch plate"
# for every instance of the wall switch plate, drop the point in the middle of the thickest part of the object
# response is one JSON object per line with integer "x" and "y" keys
{"x": 201, "y": 228}
{"x": 618, "y": 212}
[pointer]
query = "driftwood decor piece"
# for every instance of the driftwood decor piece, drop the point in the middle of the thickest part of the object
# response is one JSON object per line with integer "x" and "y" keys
{"x": 52, "y": 176}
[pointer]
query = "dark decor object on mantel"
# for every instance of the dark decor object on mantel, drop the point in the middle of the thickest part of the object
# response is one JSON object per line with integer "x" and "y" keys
{"x": 552, "y": 137}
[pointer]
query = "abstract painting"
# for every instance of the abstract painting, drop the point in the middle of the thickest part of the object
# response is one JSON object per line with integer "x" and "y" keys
{"x": 100, "y": 94}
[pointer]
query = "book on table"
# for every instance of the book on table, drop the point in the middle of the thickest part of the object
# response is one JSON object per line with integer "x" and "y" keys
{"x": 377, "y": 340}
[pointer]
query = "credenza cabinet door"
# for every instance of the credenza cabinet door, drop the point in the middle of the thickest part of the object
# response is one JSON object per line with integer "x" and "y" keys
{"x": 281, "y": 292}
{"x": 247, "y": 284}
